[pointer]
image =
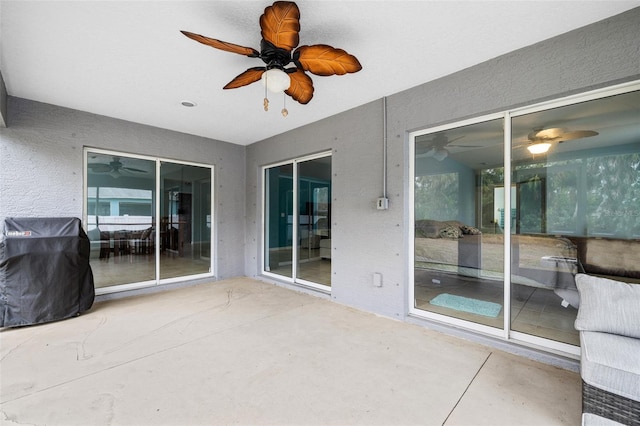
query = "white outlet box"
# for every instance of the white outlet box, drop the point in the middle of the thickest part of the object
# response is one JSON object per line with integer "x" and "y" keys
{"x": 382, "y": 203}
{"x": 377, "y": 279}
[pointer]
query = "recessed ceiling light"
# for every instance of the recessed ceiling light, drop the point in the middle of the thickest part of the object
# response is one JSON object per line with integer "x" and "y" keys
{"x": 188, "y": 104}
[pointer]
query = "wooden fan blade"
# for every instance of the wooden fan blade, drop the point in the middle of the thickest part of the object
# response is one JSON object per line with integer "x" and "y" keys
{"x": 552, "y": 133}
{"x": 99, "y": 167}
{"x": 223, "y": 45}
{"x": 578, "y": 134}
{"x": 249, "y": 76}
{"x": 301, "y": 87}
{"x": 321, "y": 59}
{"x": 449, "y": 142}
{"x": 280, "y": 25}
{"x": 133, "y": 170}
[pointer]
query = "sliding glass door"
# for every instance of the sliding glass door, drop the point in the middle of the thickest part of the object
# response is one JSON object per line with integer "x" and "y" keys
{"x": 576, "y": 208}
{"x": 459, "y": 246}
{"x": 130, "y": 246}
{"x": 297, "y": 221}
{"x": 185, "y": 224}
{"x": 314, "y": 213}
{"x": 509, "y": 208}
{"x": 120, "y": 205}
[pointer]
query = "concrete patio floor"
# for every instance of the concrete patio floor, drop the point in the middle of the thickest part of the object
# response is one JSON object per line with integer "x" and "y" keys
{"x": 240, "y": 351}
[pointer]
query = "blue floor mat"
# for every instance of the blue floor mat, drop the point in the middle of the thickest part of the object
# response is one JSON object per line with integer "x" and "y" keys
{"x": 465, "y": 304}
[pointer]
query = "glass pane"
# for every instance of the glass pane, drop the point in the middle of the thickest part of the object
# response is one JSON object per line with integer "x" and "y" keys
{"x": 314, "y": 223}
{"x": 279, "y": 220}
{"x": 185, "y": 225}
{"x": 459, "y": 200}
{"x": 576, "y": 208}
{"x": 120, "y": 220}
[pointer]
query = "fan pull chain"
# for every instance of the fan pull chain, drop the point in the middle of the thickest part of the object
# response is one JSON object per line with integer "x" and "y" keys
{"x": 265, "y": 103}
{"x": 284, "y": 111}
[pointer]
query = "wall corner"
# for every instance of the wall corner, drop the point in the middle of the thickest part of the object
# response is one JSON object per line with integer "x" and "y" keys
{"x": 3, "y": 102}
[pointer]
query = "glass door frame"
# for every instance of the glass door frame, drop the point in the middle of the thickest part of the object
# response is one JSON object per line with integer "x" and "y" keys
{"x": 413, "y": 311}
{"x": 158, "y": 161}
{"x": 505, "y": 333}
{"x": 294, "y": 279}
{"x": 159, "y": 210}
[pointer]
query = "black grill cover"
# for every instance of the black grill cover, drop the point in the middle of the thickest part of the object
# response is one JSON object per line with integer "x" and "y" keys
{"x": 44, "y": 271}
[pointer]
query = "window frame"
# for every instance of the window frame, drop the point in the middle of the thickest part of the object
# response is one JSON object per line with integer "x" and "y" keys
{"x": 157, "y": 281}
{"x": 507, "y": 115}
{"x": 294, "y": 279}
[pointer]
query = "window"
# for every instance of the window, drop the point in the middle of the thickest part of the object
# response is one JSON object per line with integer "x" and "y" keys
{"x": 458, "y": 243}
{"x": 297, "y": 221}
{"x": 574, "y": 208}
{"x": 130, "y": 246}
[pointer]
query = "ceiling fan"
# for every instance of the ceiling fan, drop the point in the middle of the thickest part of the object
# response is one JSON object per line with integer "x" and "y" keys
{"x": 437, "y": 147}
{"x": 540, "y": 140}
{"x": 280, "y": 24}
{"x": 113, "y": 168}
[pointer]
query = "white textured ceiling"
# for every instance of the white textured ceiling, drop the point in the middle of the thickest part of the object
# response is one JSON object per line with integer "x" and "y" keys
{"x": 128, "y": 59}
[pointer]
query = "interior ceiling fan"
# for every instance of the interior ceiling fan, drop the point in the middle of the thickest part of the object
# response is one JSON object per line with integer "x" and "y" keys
{"x": 437, "y": 146}
{"x": 540, "y": 140}
{"x": 280, "y": 24}
{"x": 113, "y": 168}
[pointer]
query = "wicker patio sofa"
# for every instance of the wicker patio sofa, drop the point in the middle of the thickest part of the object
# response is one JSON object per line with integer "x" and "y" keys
{"x": 609, "y": 324}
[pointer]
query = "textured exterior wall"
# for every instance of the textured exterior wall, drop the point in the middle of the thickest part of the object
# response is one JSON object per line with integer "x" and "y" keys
{"x": 367, "y": 240}
{"x": 41, "y": 169}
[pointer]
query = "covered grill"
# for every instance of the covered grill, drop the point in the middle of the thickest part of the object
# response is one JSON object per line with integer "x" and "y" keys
{"x": 44, "y": 271}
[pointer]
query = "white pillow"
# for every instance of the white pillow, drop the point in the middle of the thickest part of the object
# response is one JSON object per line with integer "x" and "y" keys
{"x": 608, "y": 306}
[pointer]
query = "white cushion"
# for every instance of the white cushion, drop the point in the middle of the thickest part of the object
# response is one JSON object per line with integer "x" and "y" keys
{"x": 608, "y": 306}
{"x": 611, "y": 362}
{"x": 589, "y": 419}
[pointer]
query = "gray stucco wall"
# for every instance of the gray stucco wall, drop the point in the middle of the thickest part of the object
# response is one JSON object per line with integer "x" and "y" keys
{"x": 41, "y": 167}
{"x": 362, "y": 236}
{"x": 367, "y": 240}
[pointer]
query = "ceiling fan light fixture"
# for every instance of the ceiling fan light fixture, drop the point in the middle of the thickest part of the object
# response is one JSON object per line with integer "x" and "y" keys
{"x": 440, "y": 154}
{"x": 276, "y": 80}
{"x": 431, "y": 152}
{"x": 539, "y": 148}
